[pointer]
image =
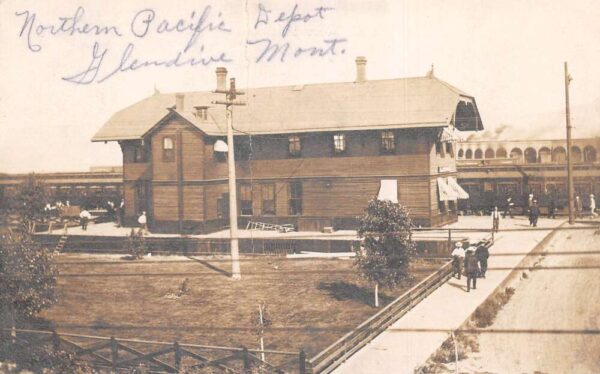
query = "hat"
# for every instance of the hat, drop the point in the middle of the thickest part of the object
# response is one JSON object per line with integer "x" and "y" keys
{"x": 458, "y": 244}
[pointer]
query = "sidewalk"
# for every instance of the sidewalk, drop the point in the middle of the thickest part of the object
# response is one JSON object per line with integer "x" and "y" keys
{"x": 411, "y": 340}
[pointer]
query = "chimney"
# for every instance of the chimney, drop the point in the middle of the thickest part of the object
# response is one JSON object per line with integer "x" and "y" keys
{"x": 221, "y": 79}
{"x": 361, "y": 69}
{"x": 180, "y": 102}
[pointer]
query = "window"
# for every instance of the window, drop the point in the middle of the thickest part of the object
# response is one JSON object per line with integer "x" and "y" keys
{"x": 295, "y": 198}
{"x": 139, "y": 153}
{"x": 438, "y": 148}
{"x": 245, "y": 200}
{"x": 442, "y": 206}
{"x": 295, "y": 147}
{"x": 168, "y": 150}
{"x": 339, "y": 143}
{"x": 388, "y": 143}
{"x": 223, "y": 206}
{"x": 449, "y": 149}
{"x": 268, "y": 198}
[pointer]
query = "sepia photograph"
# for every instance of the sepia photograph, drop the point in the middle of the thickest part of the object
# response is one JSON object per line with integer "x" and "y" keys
{"x": 303, "y": 187}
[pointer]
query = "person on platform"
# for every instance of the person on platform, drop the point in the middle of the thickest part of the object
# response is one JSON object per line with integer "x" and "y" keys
{"x": 593, "y": 206}
{"x": 495, "y": 219}
{"x": 534, "y": 214}
{"x": 143, "y": 221}
{"x": 508, "y": 208}
{"x": 458, "y": 256}
{"x": 482, "y": 253}
{"x": 84, "y": 218}
{"x": 471, "y": 268}
{"x": 120, "y": 212}
{"x": 578, "y": 206}
{"x": 551, "y": 208}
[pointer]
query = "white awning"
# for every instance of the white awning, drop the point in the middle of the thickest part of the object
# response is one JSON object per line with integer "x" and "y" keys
{"x": 458, "y": 190}
{"x": 450, "y": 135}
{"x": 446, "y": 193}
{"x": 388, "y": 190}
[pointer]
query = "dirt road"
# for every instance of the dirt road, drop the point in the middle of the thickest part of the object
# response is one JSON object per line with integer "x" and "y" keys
{"x": 554, "y": 316}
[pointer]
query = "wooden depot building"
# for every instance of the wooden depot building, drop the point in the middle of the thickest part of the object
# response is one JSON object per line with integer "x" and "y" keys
{"x": 308, "y": 155}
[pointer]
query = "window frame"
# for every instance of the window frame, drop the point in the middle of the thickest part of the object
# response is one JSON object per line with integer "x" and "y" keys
{"x": 246, "y": 206}
{"x": 294, "y": 146}
{"x": 388, "y": 142}
{"x": 268, "y": 189}
{"x": 168, "y": 154}
{"x": 339, "y": 143}
{"x": 295, "y": 198}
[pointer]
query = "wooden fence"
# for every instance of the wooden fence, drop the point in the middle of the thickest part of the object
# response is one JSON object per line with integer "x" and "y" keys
{"x": 334, "y": 355}
{"x": 130, "y": 355}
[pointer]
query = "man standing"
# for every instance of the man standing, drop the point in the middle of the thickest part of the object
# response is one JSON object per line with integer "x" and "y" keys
{"x": 551, "y": 208}
{"x": 508, "y": 208}
{"x": 471, "y": 269}
{"x": 593, "y": 206}
{"x": 84, "y": 218}
{"x": 578, "y": 207}
{"x": 458, "y": 256}
{"x": 495, "y": 219}
{"x": 143, "y": 221}
{"x": 535, "y": 213}
{"x": 482, "y": 253}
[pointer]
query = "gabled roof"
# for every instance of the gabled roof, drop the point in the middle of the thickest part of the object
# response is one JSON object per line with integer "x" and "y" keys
{"x": 379, "y": 104}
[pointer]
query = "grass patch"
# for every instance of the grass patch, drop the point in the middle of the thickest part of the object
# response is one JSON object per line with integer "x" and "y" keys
{"x": 312, "y": 302}
{"x": 486, "y": 313}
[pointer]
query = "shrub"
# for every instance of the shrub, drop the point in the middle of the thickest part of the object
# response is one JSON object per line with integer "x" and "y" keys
{"x": 136, "y": 245}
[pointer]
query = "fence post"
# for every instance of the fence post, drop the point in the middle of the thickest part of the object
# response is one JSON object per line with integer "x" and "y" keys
{"x": 177, "y": 351}
{"x": 246, "y": 360}
{"x": 302, "y": 361}
{"x": 50, "y": 227}
{"x": 66, "y": 229}
{"x": 450, "y": 240}
{"x": 114, "y": 352}
{"x": 55, "y": 341}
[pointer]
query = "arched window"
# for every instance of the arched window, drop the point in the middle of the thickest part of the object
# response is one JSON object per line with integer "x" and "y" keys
{"x": 575, "y": 154}
{"x": 478, "y": 154}
{"x": 501, "y": 153}
{"x": 461, "y": 153}
{"x": 545, "y": 155}
{"x": 469, "y": 154}
{"x": 516, "y": 154}
{"x": 530, "y": 156}
{"x": 559, "y": 155}
{"x": 489, "y": 153}
{"x": 589, "y": 154}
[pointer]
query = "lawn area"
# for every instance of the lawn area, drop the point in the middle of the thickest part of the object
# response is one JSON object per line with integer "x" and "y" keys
{"x": 311, "y": 302}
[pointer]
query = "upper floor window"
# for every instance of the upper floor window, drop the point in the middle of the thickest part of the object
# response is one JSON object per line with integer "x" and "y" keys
{"x": 139, "y": 153}
{"x": 339, "y": 143}
{"x": 295, "y": 146}
{"x": 388, "y": 143}
{"x": 168, "y": 149}
{"x": 449, "y": 149}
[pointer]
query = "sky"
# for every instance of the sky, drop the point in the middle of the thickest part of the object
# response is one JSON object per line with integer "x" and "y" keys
{"x": 508, "y": 54}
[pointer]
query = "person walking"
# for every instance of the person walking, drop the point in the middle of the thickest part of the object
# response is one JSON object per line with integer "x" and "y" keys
{"x": 508, "y": 208}
{"x": 551, "y": 208}
{"x": 471, "y": 269}
{"x": 495, "y": 219}
{"x": 143, "y": 221}
{"x": 482, "y": 253}
{"x": 534, "y": 214}
{"x": 578, "y": 207}
{"x": 593, "y": 206}
{"x": 84, "y": 218}
{"x": 458, "y": 256}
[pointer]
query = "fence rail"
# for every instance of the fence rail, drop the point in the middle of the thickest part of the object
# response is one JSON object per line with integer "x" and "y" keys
{"x": 332, "y": 356}
{"x": 118, "y": 355}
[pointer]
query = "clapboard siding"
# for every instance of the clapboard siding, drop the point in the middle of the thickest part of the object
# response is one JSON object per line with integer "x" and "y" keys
{"x": 193, "y": 197}
{"x": 165, "y": 203}
{"x": 192, "y": 152}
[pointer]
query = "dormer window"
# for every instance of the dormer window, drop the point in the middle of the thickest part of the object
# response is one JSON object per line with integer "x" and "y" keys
{"x": 202, "y": 112}
{"x": 388, "y": 142}
{"x": 168, "y": 149}
{"x": 295, "y": 146}
{"x": 339, "y": 142}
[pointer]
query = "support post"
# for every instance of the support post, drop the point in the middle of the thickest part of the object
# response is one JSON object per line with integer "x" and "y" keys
{"x": 55, "y": 341}
{"x": 114, "y": 352}
{"x": 233, "y": 223}
{"x": 569, "y": 159}
{"x": 246, "y": 360}
{"x": 177, "y": 351}
{"x": 302, "y": 362}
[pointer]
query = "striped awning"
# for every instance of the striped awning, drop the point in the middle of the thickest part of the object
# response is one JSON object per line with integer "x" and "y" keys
{"x": 450, "y": 135}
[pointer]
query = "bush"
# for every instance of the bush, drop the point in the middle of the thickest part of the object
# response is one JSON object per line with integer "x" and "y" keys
{"x": 136, "y": 244}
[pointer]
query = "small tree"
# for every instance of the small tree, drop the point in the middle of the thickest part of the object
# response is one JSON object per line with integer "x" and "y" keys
{"x": 27, "y": 277}
{"x": 29, "y": 201}
{"x": 387, "y": 247}
{"x": 136, "y": 244}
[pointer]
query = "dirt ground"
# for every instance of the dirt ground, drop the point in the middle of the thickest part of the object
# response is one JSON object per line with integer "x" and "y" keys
{"x": 311, "y": 302}
{"x": 552, "y": 323}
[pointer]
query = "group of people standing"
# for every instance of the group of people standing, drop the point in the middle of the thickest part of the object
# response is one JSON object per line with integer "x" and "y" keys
{"x": 474, "y": 260}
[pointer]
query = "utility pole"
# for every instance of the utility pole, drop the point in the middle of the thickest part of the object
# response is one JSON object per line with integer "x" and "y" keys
{"x": 569, "y": 160}
{"x": 230, "y": 96}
